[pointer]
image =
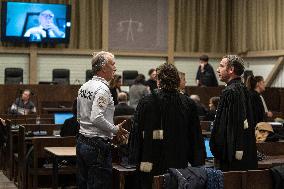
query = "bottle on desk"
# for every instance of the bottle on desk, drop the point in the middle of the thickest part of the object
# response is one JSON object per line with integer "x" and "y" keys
{"x": 38, "y": 120}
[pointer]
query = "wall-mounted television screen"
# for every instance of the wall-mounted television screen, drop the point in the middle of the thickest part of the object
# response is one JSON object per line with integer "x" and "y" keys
{"x": 35, "y": 22}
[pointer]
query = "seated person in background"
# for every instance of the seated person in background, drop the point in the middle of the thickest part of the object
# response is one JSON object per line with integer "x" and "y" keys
{"x": 46, "y": 28}
{"x": 201, "y": 108}
{"x": 138, "y": 90}
{"x": 71, "y": 126}
{"x": 3, "y": 132}
{"x": 213, "y": 103}
{"x": 23, "y": 105}
{"x": 114, "y": 87}
{"x": 152, "y": 81}
{"x": 182, "y": 82}
{"x": 122, "y": 107}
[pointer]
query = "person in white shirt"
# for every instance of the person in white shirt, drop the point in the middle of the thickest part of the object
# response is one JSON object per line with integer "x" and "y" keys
{"x": 95, "y": 110}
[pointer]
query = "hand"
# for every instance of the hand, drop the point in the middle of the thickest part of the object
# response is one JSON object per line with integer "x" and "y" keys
{"x": 3, "y": 121}
{"x": 269, "y": 114}
{"x": 52, "y": 27}
{"x": 122, "y": 134}
{"x": 239, "y": 155}
{"x": 202, "y": 67}
{"x": 246, "y": 126}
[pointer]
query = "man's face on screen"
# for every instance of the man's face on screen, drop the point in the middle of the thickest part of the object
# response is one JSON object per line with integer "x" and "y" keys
{"x": 46, "y": 19}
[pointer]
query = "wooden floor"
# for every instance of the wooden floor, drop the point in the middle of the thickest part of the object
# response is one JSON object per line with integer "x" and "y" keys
{"x": 5, "y": 183}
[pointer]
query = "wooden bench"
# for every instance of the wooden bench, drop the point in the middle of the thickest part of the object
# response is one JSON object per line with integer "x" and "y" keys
{"x": 18, "y": 147}
{"x": 274, "y": 154}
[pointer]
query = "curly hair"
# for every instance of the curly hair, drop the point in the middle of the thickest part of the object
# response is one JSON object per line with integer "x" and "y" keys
{"x": 237, "y": 63}
{"x": 168, "y": 77}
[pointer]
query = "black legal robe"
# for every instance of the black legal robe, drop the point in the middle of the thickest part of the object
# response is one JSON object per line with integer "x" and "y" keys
{"x": 228, "y": 134}
{"x": 182, "y": 143}
{"x": 257, "y": 107}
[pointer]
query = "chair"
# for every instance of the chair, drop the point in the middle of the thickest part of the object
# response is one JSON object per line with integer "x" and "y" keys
{"x": 61, "y": 76}
{"x": 13, "y": 75}
{"x": 89, "y": 75}
{"x": 129, "y": 76}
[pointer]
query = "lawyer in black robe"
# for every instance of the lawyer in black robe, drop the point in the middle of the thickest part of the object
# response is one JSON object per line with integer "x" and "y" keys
{"x": 233, "y": 127}
{"x": 257, "y": 107}
{"x": 256, "y": 85}
{"x": 169, "y": 134}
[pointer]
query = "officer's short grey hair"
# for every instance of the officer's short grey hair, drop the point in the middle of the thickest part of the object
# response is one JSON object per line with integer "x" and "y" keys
{"x": 100, "y": 59}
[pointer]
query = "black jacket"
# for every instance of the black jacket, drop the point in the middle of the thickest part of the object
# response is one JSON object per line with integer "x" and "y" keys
{"x": 208, "y": 77}
{"x": 182, "y": 142}
{"x": 228, "y": 133}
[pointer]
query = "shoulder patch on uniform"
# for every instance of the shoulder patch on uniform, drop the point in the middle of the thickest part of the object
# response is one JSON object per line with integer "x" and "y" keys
{"x": 102, "y": 101}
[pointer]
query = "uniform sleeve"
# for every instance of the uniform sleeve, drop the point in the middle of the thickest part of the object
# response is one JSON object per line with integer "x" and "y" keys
{"x": 99, "y": 106}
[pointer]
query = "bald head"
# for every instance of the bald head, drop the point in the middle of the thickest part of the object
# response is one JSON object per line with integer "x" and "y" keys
{"x": 122, "y": 97}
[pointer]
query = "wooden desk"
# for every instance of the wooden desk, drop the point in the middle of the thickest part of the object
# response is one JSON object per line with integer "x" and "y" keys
{"x": 57, "y": 153}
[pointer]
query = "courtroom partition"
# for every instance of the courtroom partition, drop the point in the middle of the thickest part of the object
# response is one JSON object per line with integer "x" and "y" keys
{"x": 56, "y": 96}
{"x": 45, "y": 95}
{"x": 29, "y": 116}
